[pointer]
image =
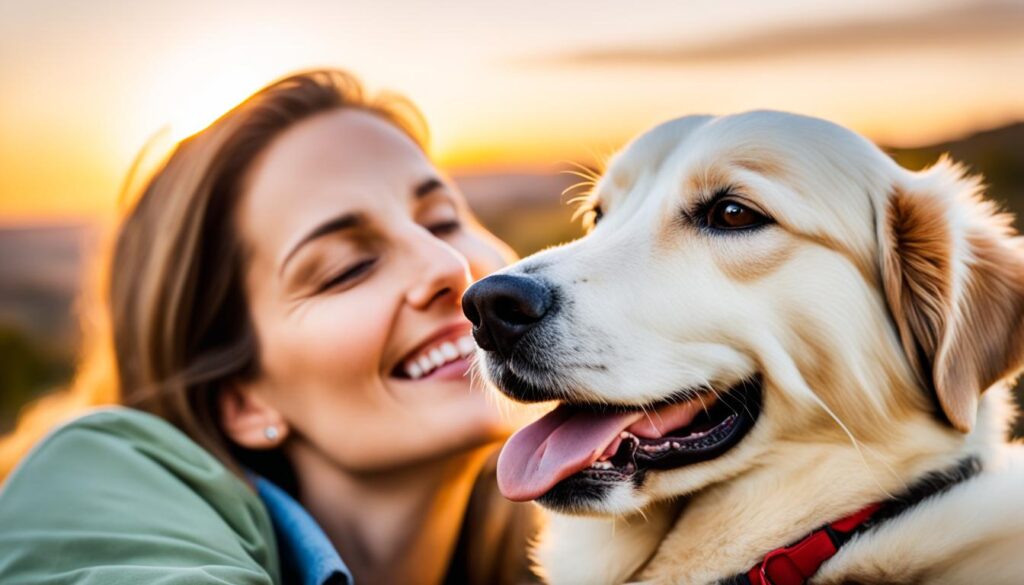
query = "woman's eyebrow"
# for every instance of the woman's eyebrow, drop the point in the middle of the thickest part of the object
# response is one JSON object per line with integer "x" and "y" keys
{"x": 343, "y": 222}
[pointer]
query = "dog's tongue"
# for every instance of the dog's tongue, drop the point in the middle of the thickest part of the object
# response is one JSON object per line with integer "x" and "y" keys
{"x": 563, "y": 442}
{"x": 567, "y": 441}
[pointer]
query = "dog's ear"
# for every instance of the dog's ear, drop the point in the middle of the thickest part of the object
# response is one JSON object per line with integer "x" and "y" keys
{"x": 954, "y": 279}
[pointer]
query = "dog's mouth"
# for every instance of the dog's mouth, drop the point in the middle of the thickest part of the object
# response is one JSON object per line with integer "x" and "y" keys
{"x": 579, "y": 444}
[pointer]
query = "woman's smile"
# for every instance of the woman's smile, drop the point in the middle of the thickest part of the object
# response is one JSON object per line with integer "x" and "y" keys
{"x": 445, "y": 355}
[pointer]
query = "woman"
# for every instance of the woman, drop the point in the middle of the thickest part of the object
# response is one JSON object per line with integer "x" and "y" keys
{"x": 284, "y": 302}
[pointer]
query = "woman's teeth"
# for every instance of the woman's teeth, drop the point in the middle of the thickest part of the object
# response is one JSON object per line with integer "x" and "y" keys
{"x": 439, "y": 355}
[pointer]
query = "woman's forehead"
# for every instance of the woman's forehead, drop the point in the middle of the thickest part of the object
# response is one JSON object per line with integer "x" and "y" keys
{"x": 340, "y": 162}
{"x": 345, "y": 145}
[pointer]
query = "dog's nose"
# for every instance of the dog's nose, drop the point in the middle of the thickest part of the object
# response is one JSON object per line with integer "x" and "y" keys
{"x": 503, "y": 308}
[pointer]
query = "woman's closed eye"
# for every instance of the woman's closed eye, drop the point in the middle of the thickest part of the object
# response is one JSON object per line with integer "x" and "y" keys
{"x": 444, "y": 228}
{"x": 347, "y": 276}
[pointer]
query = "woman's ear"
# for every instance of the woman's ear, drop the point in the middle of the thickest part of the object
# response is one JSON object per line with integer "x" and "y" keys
{"x": 248, "y": 420}
{"x": 954, "y": 279}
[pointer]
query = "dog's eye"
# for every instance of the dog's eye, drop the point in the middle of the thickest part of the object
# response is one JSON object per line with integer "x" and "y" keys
{"x": 591, "y": 214}
{"x": 727, "y": 214}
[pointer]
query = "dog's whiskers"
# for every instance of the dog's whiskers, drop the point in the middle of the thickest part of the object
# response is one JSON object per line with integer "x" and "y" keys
{"x": 856, "y": 445}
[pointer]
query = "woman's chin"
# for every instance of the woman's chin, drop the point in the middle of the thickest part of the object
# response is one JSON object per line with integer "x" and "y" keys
{"x": 453, "y": 412}
{"x": 452, "y": 445}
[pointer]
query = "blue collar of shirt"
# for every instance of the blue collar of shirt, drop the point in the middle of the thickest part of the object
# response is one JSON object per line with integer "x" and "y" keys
{"x": 307, "y": 556}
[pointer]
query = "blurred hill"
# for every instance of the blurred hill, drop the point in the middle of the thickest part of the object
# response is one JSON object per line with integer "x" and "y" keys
{"x": 526, "y": 210}
{"x": 41, "y": 274}
{"x": 42, "y": 269}
{"x": 996, "y": 154}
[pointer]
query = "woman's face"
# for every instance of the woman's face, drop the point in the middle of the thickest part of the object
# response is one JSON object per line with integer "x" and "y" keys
{"x": 358, "y": 255}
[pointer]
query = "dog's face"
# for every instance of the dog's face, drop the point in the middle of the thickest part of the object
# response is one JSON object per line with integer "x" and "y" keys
{"x": 750, "y": 281}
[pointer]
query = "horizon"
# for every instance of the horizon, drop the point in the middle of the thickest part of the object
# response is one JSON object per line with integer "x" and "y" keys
{"x": 105, "y": 219}
{"x": 505, "y": 89}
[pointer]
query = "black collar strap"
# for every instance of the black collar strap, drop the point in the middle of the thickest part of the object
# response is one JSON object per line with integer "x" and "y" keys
{"x": 798, "y": 562}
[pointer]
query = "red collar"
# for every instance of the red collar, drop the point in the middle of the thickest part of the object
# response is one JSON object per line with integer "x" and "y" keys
{"x": 795, "y": 564}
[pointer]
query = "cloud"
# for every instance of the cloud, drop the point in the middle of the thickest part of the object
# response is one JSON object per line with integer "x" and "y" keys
{"x": 976, "y": 23}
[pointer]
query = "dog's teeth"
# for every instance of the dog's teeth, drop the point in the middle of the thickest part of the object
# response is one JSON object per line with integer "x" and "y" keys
{"x": 449, "y": 351}
{"x": 601, "y": 465}
{"x": 466, "y": 345}
{"x": 675, "y": 445}
{"x": 654, "y": 447}
{"x": 413, "y": 370}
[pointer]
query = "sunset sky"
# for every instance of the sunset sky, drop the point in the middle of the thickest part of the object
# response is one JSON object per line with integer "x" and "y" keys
{"x": 511, "y": 85}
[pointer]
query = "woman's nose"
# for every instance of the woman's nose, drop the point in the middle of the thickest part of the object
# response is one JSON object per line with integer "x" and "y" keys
{"x": 441, "y": 271}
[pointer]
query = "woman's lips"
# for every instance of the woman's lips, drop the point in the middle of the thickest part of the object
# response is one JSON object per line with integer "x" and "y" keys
{"x": 442, "y": 357}
{"x": 455, "y": 370}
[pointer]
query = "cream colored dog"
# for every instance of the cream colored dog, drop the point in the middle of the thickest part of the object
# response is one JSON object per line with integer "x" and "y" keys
{"x": 771, "y": 326}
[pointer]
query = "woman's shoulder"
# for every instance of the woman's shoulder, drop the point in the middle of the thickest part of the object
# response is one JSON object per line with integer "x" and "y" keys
{"x": 117, "y": 425}
{"x": 119, "y": 428}
{"x": 109, "y": 445}
{"x": 117, "y": 493}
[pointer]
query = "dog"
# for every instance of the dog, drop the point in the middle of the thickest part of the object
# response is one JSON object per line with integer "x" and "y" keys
{"x": 778, "y": 357}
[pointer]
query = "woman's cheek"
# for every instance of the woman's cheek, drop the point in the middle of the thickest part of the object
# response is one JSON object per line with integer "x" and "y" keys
{"x": 335, "y": 396}
{"x": 343, "y": 340}
{"x": 328, "y": 345}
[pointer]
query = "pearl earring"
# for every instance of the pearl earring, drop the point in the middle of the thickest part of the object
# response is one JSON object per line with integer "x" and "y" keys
{"x": 271, "y": 433}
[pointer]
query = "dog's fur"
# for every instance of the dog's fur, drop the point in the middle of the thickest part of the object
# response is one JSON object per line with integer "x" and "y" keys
{"x": 881, "y": 309}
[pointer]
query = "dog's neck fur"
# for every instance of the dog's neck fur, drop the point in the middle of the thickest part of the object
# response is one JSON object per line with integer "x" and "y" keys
{"x": 725, "y": 529}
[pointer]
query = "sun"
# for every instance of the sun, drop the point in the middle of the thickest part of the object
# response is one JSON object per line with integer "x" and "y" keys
{"x": 203, "y": 102}
{"x": 197, "y": 82}
{"x": 201, "y": 99}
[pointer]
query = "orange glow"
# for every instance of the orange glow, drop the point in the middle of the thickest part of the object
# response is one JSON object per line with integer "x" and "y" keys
{"x": 204, "y": 104}
{"x": 87, "y": 91}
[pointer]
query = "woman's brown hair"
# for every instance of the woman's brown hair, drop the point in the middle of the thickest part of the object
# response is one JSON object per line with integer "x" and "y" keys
{"x": 175, "y": 326}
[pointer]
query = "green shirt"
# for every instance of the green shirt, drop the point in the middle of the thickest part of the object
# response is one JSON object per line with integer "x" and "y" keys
{"x": 121, "y": 496}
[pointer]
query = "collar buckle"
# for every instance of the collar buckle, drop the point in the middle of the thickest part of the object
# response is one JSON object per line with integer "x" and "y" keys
{"x": 793, "y": 565}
